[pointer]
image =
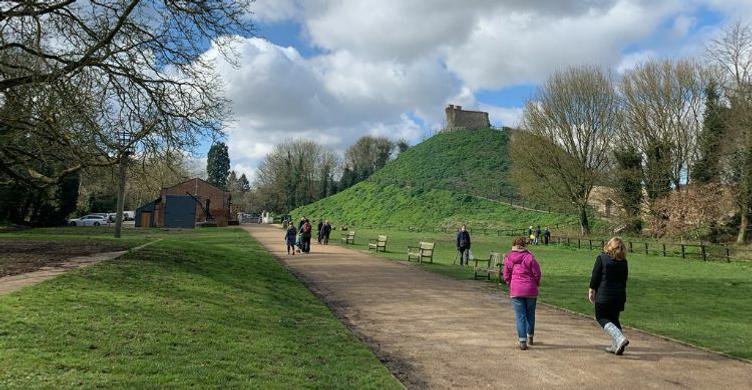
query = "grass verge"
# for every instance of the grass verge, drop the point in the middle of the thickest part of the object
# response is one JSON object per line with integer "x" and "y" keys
{"x": 703, "y": 303}
{"x": 205, "y": 308}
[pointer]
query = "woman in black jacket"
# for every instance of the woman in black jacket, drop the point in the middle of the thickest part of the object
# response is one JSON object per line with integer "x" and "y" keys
{"x": 608, "y": 291}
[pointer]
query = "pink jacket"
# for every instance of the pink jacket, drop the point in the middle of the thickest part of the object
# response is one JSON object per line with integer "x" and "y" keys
{"x": 521, "y": 273}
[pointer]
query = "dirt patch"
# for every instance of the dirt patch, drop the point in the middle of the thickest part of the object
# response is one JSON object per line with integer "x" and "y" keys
{"x": 22, "y": 256}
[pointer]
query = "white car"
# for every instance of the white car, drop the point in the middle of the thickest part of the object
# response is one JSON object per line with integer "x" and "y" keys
{"x": 90, "y": 220}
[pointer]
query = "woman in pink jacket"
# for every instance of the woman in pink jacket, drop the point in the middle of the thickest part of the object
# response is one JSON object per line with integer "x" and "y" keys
{"x": 522, "y": 274}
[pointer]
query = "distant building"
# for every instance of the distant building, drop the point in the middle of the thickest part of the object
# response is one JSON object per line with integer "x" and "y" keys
{"x": 186, "y": 204}
{"x": 459, "y": 119}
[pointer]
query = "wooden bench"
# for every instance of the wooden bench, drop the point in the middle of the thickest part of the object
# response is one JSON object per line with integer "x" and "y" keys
{"x": 377, "y": 243}
{"x": 349, "y": 237}
{"x": 487, "y": 266}
{"x": 424, "y": 250}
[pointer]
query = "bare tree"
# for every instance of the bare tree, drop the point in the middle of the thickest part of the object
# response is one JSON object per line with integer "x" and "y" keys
{"x": 104, "y": 68}
{"x": 731, "y": 54}
{"x": 663, "y": 105}
{"x": 568, "y": 127}
{"x": 293, "y": 174}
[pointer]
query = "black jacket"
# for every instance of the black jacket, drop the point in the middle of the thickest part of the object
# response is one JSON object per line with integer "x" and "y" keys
{"x": 609, "y": 280}
{"x": 463, "y": 239}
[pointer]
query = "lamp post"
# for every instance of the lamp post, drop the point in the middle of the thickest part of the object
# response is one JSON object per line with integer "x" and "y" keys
{"x": 124, "y": 141}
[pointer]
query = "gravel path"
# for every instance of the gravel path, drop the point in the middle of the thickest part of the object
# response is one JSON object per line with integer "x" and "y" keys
{"x": 436, "y": 332}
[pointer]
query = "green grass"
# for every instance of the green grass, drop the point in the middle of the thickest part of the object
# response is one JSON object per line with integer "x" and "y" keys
{"x": 442, "y": 181}
{"x": 208, "y": 309}
{"x": 707, "y": 304}
{"x": 470, "y": 162}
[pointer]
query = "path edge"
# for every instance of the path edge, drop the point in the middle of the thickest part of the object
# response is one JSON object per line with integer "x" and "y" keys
{"x": 382, "y": 357}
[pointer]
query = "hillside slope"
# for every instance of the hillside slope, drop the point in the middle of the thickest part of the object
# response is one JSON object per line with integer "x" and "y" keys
{"x": 470, "y": 162}
{"x": 442, "y": 181}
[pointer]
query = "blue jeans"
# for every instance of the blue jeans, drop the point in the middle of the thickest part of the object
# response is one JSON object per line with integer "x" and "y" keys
{"x": 524, "y": 315}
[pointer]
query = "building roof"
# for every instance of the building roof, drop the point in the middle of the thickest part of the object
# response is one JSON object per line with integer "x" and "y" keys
{"x": 196, "y": 179}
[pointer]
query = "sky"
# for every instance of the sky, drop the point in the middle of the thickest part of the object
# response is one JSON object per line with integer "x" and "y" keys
{"x": 332, "y": 71}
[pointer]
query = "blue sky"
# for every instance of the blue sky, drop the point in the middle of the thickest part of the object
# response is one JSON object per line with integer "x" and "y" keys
{"x": 333, "y": 71}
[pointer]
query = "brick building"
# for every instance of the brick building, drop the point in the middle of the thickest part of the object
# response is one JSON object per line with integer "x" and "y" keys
{"x": 186, "y": 204}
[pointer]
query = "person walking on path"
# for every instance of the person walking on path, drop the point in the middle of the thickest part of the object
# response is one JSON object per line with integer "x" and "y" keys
{"x": 326, "y": 230}
{"x": 522, "y": 274}
{"x": 318, "y": 231}
{"x": 608, "y": 291}
{"x": 290, "y": 236}
{"x": 306, "y": 236}
{"x": 546, "y": 236}
{"x": 538, "y": 234}
{"x": 463, "y": 245}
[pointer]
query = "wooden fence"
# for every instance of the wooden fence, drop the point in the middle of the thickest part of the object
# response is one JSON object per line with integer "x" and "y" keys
{"x": 700, "y": 251}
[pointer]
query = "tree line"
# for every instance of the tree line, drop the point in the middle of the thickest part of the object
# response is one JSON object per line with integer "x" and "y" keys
{"x": 299, "y": 172}
{"x": 663, "y": 134}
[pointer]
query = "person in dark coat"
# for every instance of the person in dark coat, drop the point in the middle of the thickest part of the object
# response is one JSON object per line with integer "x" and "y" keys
{"x": 463, "y": 245}
{"x": 291, "y": 235}
{"x": 608, "y": 291}
{"x": 538, "y": 233}
{"x": 546, "y": 236}
{"x": 306, "y": 236}
{"x": 326, "y": 230}
{"x": 300, "y": 224}
{"x": 318, "y": 231}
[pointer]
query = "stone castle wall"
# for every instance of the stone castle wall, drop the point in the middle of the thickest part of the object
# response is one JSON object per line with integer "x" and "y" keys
{"x": 459, "y": 119}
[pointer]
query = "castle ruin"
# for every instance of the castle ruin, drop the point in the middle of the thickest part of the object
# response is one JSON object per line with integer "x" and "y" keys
{"x": 459, "y": 119}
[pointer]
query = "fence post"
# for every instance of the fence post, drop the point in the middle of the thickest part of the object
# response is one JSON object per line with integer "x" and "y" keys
{"x": 682, "y": 251}
{"x": 728, "y": 255}
{"x": 704, "y": 254}
{"x": 568, "y": 244}
{"x": 578, "y": 244}
{"x": 664, "y": 250}
{"x": 646, "y": 248}
{"x": 631, "y": 250}
{"x": 590, "y": 244}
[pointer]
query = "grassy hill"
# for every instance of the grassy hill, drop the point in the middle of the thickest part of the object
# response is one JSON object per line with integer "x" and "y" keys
{"x": 443, "y": 181}
{"x": 469, "y": 162}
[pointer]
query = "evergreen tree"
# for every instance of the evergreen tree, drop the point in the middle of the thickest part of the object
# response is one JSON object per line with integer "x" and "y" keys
{"x": 233, "y": 182}
{"x": 629, "y": 185}
{"x": 245, "y": 185}
{"x": 218, "y": 165}
{"x": 706, "y": 168}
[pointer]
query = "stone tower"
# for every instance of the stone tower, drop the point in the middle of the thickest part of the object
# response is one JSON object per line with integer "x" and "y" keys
{"x": 459, "y": 119}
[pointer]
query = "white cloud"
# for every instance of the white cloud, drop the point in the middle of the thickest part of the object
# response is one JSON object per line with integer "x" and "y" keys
{"x": 389, "y": 67}
{"x": 332, "y": 99}
{"x": 275, "y": 11}
{"x": 503, "y": 116}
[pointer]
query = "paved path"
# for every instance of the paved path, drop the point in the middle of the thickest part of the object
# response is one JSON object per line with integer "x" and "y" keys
{"x": 436, "y": 332}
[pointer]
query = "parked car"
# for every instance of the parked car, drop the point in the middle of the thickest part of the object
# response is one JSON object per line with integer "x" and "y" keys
{"x": 90, "y": 220}
{"x": 129, "y": 215}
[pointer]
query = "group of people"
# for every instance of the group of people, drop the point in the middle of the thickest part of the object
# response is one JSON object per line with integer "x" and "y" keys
{"x": 298, "y": 240}
{"x": 538, "y": 236}
{"x": 522, "y": 273}
{"x": 607, "y": 292}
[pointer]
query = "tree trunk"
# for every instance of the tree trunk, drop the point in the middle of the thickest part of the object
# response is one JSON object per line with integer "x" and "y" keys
{"x": 584, "y": 225}
{"x": 743, "y": 225}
